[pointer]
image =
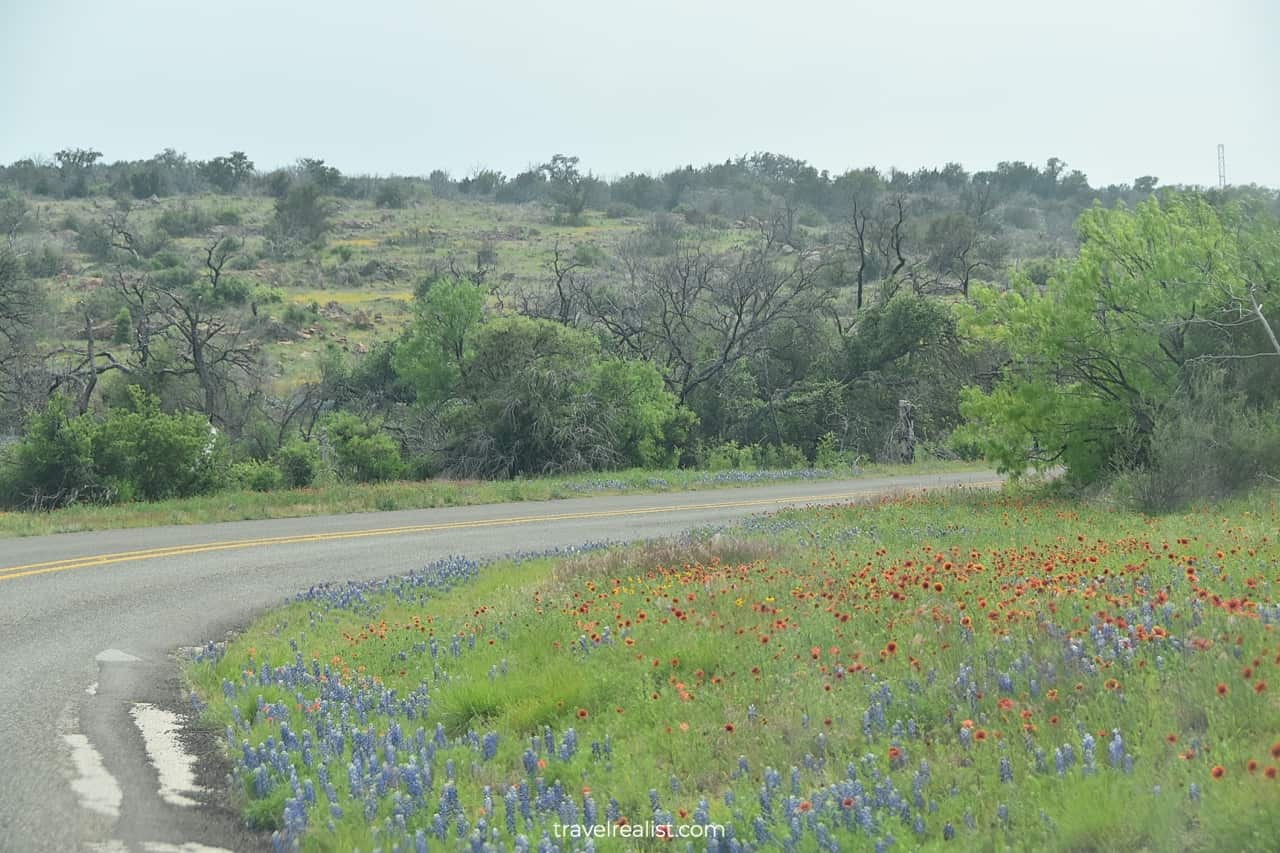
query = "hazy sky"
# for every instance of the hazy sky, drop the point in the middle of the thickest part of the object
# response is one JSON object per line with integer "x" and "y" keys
{"x": 1119, "y": 88}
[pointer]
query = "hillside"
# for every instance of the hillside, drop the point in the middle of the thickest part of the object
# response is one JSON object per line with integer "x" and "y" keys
{"x": 752, "y": 313}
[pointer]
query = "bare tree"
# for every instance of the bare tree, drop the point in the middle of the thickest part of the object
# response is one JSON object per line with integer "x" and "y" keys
{"x": 696, "y": 313}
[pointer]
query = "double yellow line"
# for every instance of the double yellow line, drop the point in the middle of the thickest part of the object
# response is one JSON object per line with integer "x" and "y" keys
{"x": 50, "y": 566}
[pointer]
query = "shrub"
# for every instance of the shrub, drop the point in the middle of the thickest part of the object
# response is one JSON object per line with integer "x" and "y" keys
{"x": 298, "y": 462}
{"x": 731, "y": 455}
{"x": 257, "y": 475}
{"x": 93, "y": 239}
{"x": 143, "y": 453}
{"x": 45, "y": 263}
{"x": 361, "y": 450}
{"x": 828, "y": 453}
{"x": 52, "y": 465}
{"x": 136, "y": 452}
{"x": 1208, "y": 446}
{"x": 781, "y": 456}
{"x": 123, "y": 330}
{"x": 183, "y": 220}
{"x": 391, "y": 194}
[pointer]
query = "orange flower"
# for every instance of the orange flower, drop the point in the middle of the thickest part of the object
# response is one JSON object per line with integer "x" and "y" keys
{"x": 1222, "y": 690}
{"x": 1218, "y": 771}
{"x": 1270, "y": 772}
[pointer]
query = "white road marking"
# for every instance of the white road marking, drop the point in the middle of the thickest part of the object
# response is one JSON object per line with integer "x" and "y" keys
{"x": 115, "y": 656}
{"x": 175, "y": 766}
{"x": 96, "y": 789}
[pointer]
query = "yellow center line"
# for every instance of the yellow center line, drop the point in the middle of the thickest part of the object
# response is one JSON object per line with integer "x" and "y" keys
{"x": 49, "y": 566}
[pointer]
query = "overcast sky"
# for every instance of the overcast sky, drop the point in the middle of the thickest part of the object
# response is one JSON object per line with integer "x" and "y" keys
{"x": 1119, "y": 88}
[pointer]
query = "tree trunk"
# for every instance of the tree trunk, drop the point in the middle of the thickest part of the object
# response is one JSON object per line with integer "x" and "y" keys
{"x": 902, "y": 441}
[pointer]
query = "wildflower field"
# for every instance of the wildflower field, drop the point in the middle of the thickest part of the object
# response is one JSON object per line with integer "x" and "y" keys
{"x": 948, "y": 671}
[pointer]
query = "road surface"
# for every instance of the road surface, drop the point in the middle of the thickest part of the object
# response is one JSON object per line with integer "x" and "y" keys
{"x": 90, "y": 622}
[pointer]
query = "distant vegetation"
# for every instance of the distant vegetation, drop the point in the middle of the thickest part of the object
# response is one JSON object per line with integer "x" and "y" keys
{"x": 278, "y": 329}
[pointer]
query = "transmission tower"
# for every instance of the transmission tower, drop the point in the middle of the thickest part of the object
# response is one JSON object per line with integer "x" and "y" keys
{"x": 1222, "y": 167}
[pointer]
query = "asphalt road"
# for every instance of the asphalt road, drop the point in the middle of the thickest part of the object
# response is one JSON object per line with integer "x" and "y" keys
{"x": 89, "y": 623}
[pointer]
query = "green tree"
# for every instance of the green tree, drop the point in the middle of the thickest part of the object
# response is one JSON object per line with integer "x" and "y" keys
{"x": 361, "y": 450}
{"x": 569, "y": 187}
{"x": 302, "y": 214}
{"x": 326, "y": 177}
{"x": 75, "y": 163}
{"x": 141, "y": 452}
{"x": 438, "y": 345}
{"x": 535, "y": 396}
{"x": 1099, "y": 353}
{"x": 53, "y": 464}
{"x": 228, "y": 173}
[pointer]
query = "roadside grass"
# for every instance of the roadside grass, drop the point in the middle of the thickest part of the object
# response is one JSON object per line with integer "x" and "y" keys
{"x": 335, "y": 498}
{"x": 957, "y": 670}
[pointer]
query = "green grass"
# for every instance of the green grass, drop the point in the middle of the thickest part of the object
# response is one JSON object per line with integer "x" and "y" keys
{"x": 337, "y": 498}
{"x": 815, "y": 640}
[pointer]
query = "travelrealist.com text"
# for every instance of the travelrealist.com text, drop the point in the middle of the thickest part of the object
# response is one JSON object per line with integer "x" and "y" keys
{"x": 646, "y": 829}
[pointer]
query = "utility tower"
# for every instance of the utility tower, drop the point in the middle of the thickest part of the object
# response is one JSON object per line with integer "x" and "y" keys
{"x": 1222, "y": 167}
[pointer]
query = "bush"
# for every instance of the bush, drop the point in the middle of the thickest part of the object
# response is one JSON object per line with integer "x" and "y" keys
{"x": 52, "y": 465}
{"x": 391, "y": 194}
{"x": 361, "y": 450}
{"x": 123, "y": 330}
{"x": 142, "y": 453}
{"x": 136, "y": 452}
{"x": 257, "y": 475}
{"x": 298, "y": 462}
{"x": 93, "y": 239}
{"x": 183, "y": 220}
{"x": 781, "y": 457}
{"x": 829, "y": 455}
{"x": 1208, "y": 446}
{"x": 45, "y": 263}
{"x": 535, "y": 397}
{"x": 731, "y": 456}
